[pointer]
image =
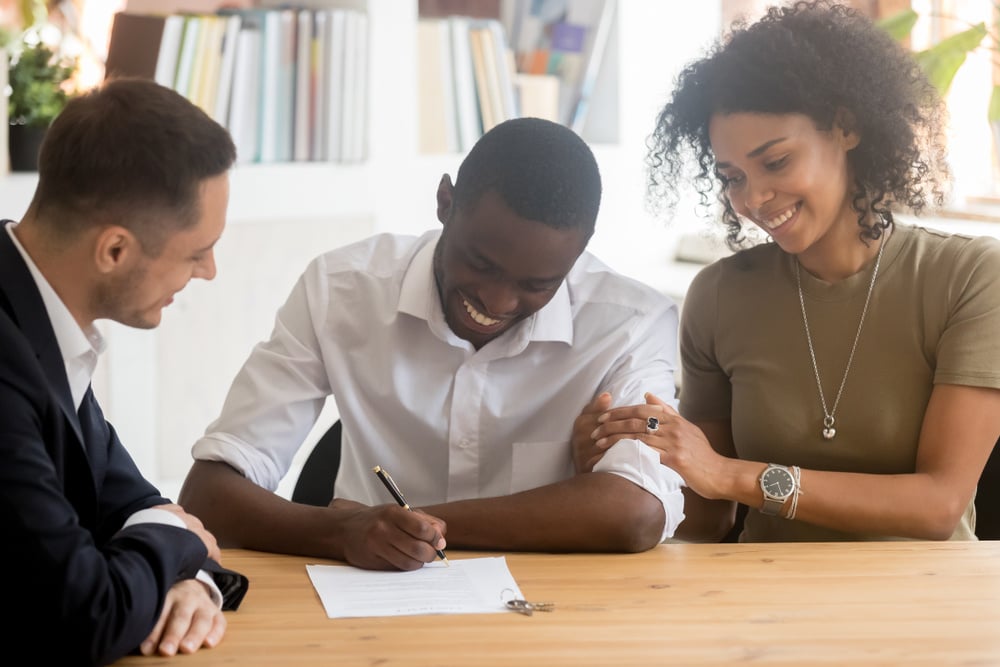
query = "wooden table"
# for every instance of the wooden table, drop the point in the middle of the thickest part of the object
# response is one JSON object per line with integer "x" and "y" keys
{"x": 879, "y": 603}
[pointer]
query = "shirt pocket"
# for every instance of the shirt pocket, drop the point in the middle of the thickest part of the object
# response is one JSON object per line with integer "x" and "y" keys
{"x": 535, "y": 464}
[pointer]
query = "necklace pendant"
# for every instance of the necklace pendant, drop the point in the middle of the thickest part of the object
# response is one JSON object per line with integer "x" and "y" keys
{"x": 828, "y": 430}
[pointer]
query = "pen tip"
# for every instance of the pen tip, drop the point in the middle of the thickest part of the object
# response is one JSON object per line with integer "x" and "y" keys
{"x": 376, "y": 468}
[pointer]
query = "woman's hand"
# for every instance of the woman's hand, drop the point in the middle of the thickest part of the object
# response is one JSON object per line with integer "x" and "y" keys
{"x": 681, "y": 445}
{"x": 585, "y": 452}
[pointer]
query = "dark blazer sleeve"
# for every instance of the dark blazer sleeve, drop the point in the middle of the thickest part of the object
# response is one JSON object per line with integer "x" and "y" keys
{"x": 84, "y": 592}
{"x": 125, "y": 491}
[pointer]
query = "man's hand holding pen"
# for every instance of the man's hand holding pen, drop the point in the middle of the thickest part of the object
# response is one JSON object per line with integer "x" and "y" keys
{"x": 388, "y": 537}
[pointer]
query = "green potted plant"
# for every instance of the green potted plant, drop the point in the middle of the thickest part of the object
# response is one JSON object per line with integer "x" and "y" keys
{"x": 37, "y": 79}
{"x": 942, "y": 60}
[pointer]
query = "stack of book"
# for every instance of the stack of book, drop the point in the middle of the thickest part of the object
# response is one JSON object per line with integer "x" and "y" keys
{"x": 289, "y": 84}
{"x": 465, "y": 85}
{"x": 514, "y": 58}
{"x": 565, "y": 39}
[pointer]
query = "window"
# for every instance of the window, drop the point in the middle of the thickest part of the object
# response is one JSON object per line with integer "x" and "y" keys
{"x": 972, "y": 149}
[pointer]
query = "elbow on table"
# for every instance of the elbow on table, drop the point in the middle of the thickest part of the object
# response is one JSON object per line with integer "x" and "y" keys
{"x": 195, "y": 493}
{"x": 940, "y": 523}
{"x": 207, "y": 493}
{"x": 642, "y": 528}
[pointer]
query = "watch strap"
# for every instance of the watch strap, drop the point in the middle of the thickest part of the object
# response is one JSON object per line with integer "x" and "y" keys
{"x": 772, "y": 506}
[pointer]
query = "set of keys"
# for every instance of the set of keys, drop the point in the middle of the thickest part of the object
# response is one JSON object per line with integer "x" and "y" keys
{"x": 529, "y": 608}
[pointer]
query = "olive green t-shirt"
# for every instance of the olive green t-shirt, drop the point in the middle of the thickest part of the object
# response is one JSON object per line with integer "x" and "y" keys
{"x": 934, "y": 317}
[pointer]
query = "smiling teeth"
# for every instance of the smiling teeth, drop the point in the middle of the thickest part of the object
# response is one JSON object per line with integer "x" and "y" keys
{"x": 779, "y": 220}
{"x": 479, "y": 317}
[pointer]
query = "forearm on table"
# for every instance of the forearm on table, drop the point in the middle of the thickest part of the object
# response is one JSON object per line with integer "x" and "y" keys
{"x": 911, "y": 505}
{"x": 243, "y": 515}
{"x": 908, "y": 505}
{"x": 589, "y": 512}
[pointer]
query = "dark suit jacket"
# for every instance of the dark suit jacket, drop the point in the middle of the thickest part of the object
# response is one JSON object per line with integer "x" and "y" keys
{"x": 80, "y": 589}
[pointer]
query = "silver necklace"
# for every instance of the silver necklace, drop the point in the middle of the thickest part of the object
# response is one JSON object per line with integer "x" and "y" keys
{"x": 828, "y": 415}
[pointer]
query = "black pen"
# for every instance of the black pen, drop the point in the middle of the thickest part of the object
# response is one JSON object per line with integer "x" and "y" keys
{"x": 398, "y": 496}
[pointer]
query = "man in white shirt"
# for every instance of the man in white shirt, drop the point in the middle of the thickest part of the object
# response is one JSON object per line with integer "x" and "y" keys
{"x": 131, "y": 197}
{"x": 458, "y": 361}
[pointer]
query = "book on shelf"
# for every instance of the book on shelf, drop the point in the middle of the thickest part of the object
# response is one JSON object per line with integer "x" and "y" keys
{"x": 227, "y": 68}
{"x": 242, "y": 117}
{"x": 146, "y": 46}
{"x": 274, "y": 126}
{"x": 304, "y": 87}
{"x": 507, "y": 58}
{"x": 538, "y": 95}
{"x": 597, "y": 44}
{"x": 468, "y": 117}
{"x": 438, "y": 131}
{"x": 291, "y": 84}
{"x": 565, "y": 38}
{"x": 350, "y": 83}
{"x": 333, "y": 102}
{"x": 359, "y": 141}
{"x": 501, "y": 68}
{"x": 205, "y": 90}
{"x": 170, "y": 45}
{"x": 465, "y": 81}
{"x": 484, "y": 95}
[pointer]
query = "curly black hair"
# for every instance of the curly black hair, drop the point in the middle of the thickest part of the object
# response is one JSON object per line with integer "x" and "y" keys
{"x": 816, "y": 58}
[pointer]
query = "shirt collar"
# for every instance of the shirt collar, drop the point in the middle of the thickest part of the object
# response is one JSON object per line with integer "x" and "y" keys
{"x": 73, "y": 341}
{"x": 418, "y": 296}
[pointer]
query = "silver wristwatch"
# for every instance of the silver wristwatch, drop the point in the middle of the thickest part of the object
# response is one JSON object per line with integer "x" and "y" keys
{"x": 778, "y": 484}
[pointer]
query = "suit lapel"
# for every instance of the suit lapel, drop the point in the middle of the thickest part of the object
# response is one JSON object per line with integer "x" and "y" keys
{"x": 28, "y": 311}
{"x": 95, "y": 436}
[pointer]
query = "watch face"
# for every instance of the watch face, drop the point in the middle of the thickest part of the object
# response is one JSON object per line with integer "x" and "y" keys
{"x": 777, "y": 482}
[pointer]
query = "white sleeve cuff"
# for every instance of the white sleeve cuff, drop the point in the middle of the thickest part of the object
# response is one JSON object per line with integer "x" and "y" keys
{"x": 213, "y": 590}
{"x": 155, "y": 515}
{"x": 639, "y": 464}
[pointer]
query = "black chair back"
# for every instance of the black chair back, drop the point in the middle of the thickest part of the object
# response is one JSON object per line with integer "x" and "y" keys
{"x": 988, "y": 498}
{"x": 315, "y": 483}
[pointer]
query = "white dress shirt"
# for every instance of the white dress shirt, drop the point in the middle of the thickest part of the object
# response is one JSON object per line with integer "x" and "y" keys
{"x": 364, "y": 324}
{"x": 80, "y": 349}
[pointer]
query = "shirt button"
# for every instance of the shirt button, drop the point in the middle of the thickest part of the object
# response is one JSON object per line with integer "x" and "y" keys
{"x": 464, "y": 444}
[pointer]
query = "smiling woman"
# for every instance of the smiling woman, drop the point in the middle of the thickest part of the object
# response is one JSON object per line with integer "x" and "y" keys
{"x": 842, "y": 381}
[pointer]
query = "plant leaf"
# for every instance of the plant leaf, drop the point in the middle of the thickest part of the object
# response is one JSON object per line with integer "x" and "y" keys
{"x": 942, "y": 60}
{"x": 32, "y": 12}
{"x": 899, "y": 25}
{"x": 993, "y": 114}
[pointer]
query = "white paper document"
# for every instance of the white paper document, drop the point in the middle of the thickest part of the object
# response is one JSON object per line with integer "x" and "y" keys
{"x": 468, "y": 586}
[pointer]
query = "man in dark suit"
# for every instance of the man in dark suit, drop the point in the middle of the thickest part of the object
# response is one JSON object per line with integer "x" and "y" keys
{"x": 131, "y": 198}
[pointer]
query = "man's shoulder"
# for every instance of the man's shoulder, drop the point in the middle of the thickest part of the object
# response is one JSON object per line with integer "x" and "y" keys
{"x": 593, "y": 281}
{"x": 378, "y": 255}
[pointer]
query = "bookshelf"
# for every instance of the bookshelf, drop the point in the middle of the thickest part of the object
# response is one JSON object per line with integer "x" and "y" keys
{"x": 162, "y": 388}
